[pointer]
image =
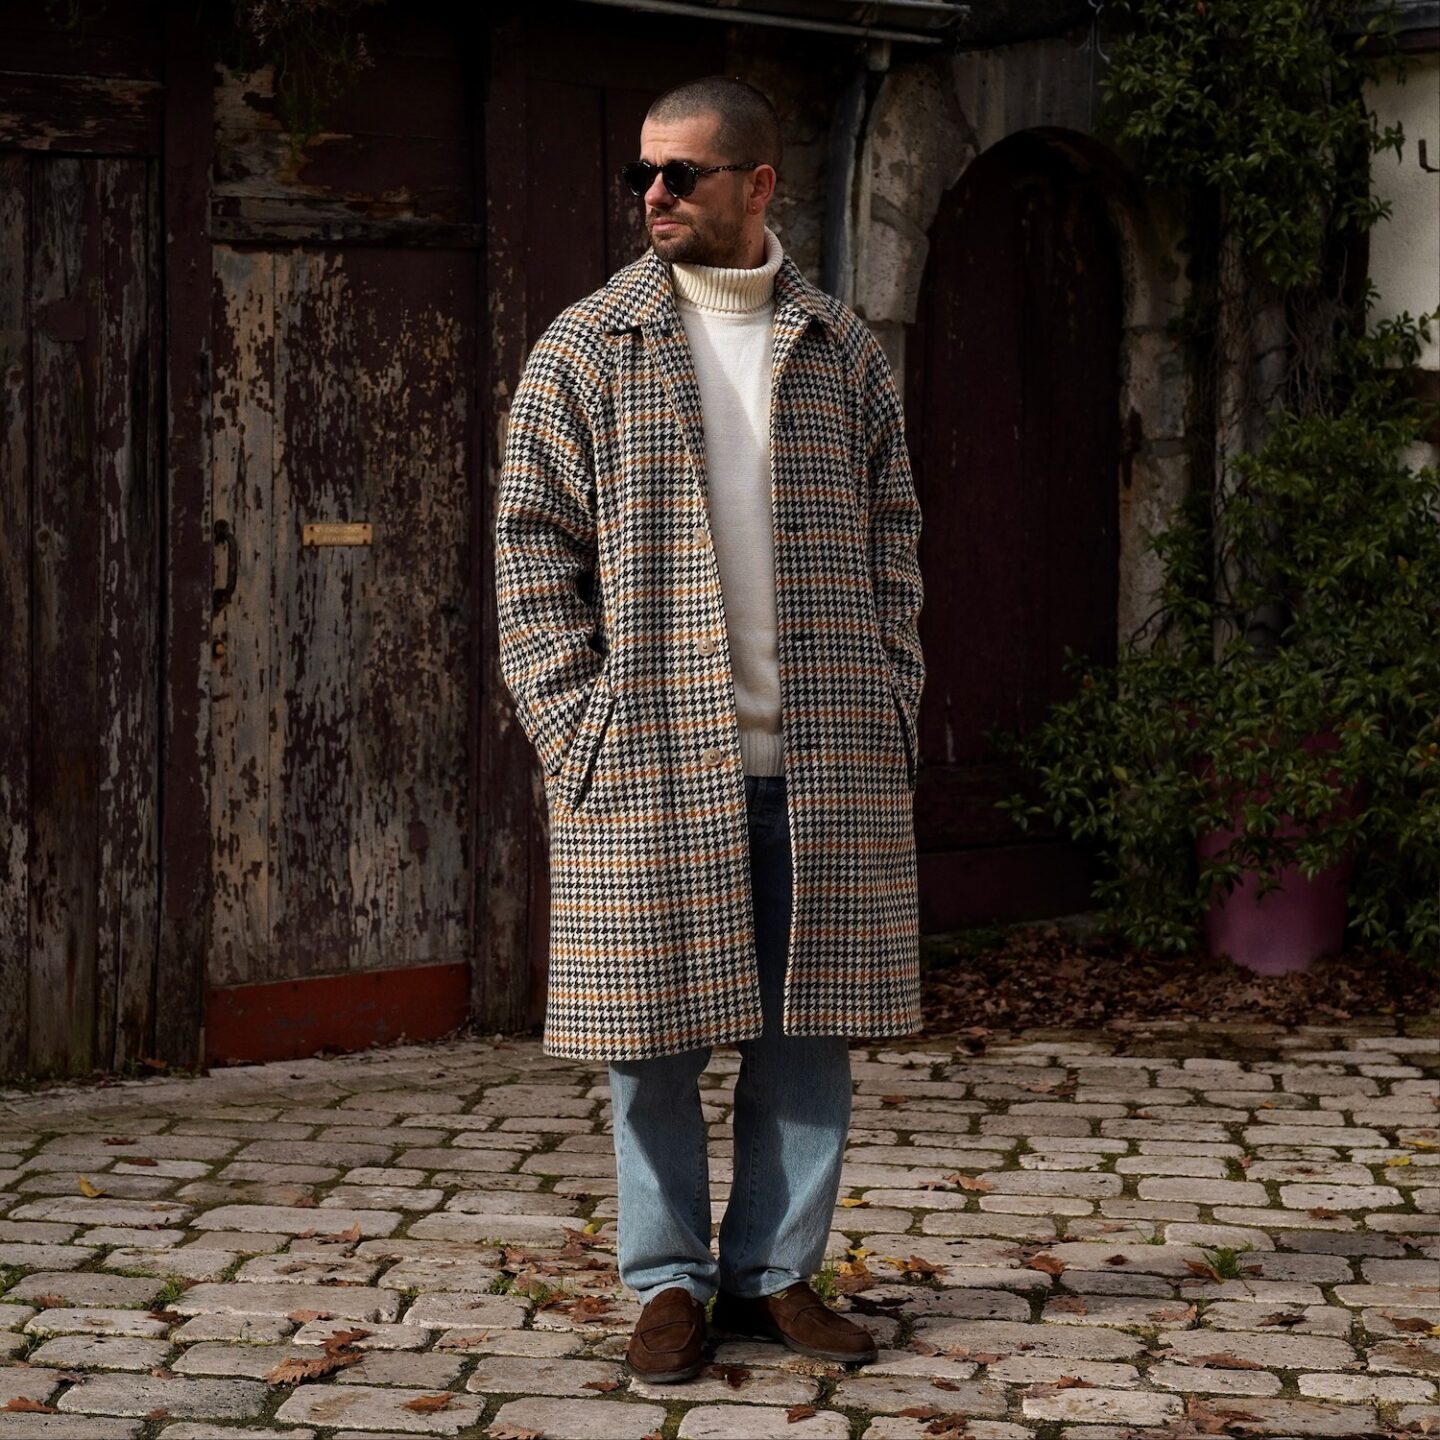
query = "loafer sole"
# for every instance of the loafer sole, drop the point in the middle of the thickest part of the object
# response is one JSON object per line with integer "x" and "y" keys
{"x": 841, "y": 1357}
{"x": 667, "y": 1377}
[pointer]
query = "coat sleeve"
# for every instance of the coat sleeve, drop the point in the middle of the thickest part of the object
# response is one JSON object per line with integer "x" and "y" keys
{"x": 894, "y": 530}
{"x": 545, "y": 541}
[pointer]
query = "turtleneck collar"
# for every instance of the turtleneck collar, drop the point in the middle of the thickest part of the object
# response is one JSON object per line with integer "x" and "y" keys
{"x": 730, "y": 291}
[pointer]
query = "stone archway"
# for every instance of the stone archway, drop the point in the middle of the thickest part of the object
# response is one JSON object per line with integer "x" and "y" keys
{"x": 935, "y": 133}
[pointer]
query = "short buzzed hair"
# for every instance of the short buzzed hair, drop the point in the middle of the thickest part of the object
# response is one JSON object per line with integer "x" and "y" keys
{"x": 749, "y": 128}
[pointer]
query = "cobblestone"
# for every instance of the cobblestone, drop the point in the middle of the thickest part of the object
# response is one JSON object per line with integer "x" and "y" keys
{"x": 1105, "y": 1232}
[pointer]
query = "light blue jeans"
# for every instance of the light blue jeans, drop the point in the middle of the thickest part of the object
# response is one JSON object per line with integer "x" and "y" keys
{"x": 791, "y": 1117}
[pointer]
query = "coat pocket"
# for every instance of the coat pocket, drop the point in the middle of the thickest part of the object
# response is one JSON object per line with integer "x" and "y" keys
{"x": 907, "y": 737}
{"x": 578, "y": 768}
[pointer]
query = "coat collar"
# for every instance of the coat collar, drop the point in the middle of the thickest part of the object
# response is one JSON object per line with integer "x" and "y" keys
{"x": 642, "y": 296}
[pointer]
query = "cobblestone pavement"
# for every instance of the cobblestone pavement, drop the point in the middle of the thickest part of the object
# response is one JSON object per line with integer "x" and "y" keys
{"x": 1161, "y": 1232}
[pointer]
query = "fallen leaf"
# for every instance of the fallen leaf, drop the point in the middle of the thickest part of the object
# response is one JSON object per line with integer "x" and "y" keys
{"x": 1047, "y": 1264}
{"x": 140, "y": 1160}
{"x": 1072, "y": 1382}
{"x": 1209, "y": 1421}
{"x": 603, "y": 1386}
{"x": 158, "y": 1413}
{"x": 733, "y": 1375}
{"x": 915, "y": 1265}
{"x": 1166, "y": 1313}
{"x": 589, "y": 1307}
{"x": 942, "y": 1384}
{"x": 850, "y": 1203}
{"x": 1224, "y": 1360}
{"x": 1204, "y": 1271}
{"x": 1117, "y": 1260}
{"x": 30, "y": 1407}
{"x": 49, "y": 1301}
{"x": 799, "y": 1412}
{"x": 1245, "y": 1161}
{"x": 170, "y": 1317}
{"x": 1069, "y": 1305}
{"x": 118, "y": 1140}
{"x": 304, "y": 1317}
{"x": 1399, "y": 1160}
{"x": 316, "y": 1367}
{"x": 893, "y": 1099}
{"x": 1410, "y": 1324}
{"x": 89, "y": 1191}
{"x": 920, "y": 1412}
{"x": 1282, "y": 1317}
{"x": 977, "y": 1183}
{"x": 1322, "y": 1212}
{"x": 161, "y": 1373}
{"x": 344, "y": 1237}
{"x": 513, "y": 1432}
{"x": 429, "y": 1404}
{"x": 852, "y": 1276}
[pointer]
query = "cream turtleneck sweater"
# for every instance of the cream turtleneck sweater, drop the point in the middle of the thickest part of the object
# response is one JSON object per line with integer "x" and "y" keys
{"x": 727, "y": 315}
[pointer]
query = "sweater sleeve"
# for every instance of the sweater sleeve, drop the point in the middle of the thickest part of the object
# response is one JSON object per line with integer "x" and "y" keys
{"x": 545, "y": 542}
{"x": 894, "y": 530}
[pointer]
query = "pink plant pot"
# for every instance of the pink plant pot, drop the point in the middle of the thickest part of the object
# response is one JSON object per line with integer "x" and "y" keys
{"x": 1294, "y": 925}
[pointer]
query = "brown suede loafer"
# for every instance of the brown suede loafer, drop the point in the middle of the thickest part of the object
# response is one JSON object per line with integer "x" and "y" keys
{"x": 669, "y": 1339}
{"x": 800, "y": 1320}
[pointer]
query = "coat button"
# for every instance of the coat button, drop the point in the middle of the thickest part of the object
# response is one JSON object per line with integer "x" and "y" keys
{"x": 712, "y": 757}
{"x": 706, "y": 645}
{"x": 700, "y": 535}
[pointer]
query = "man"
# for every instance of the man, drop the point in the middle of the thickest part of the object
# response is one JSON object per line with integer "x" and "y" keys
{"x": 708, "y": 592}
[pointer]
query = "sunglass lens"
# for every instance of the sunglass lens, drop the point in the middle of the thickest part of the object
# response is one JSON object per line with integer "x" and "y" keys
{"x": 679, "y": 178}
{"x": 639, "y": 175}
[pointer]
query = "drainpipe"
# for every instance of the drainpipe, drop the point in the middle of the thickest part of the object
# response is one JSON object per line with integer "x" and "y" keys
{"x": 842, "y": 192}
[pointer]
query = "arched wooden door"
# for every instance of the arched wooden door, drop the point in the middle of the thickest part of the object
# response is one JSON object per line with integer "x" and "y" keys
{"x": 1011, "y": 381}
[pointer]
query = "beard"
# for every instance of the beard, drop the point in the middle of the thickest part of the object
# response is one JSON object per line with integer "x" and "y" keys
{"x": 712, "y": 242}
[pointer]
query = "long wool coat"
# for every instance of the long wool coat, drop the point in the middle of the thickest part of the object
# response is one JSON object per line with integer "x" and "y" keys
{"x": 622, "y": 681}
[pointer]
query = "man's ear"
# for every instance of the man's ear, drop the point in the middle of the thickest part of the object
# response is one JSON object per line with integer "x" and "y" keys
{"x": 762, "y": 185}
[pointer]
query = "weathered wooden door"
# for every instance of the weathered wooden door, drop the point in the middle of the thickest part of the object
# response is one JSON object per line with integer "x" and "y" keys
{"x": 80, "y": 603}
{"x": 1011, "y": 379}
{"x": 343, "y": 517}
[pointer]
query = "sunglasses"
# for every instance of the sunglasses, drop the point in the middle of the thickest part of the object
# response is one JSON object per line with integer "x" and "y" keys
{"x": 680, "y": 176}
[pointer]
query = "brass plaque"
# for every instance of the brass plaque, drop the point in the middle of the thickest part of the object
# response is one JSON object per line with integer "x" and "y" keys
{"x": 337, "y": 532}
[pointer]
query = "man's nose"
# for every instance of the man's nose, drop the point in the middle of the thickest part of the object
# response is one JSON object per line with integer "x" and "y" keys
{"x": 657, "y": 197}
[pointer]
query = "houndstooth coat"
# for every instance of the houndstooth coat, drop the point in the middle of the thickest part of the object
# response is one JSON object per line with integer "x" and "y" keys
{"x": 622, "y": 682}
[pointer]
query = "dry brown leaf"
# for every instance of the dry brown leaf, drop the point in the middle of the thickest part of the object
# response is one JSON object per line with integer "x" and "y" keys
{"x": 603, "y": 1386}
{"x": 915, "y": 1265}
{"x": 920, "y": 1412}
{"x": 170, "y": 1317}
{"x": 343, "y": 1237}
{"x": 853, "y": 1276}
{"x": 1172, "y": 1312}
{"x": 976, "y": 1183}
{"x": 1069, "y": 1305}
{"x": 893, "y": 1099}
{"x": 1282, "y": 1317}
{"x": 30, "y": 1407}
{"x": 1210, "y": 1421}
{"x": 589, "y": 1307}
{"x": 304, "y": 1317}
{"x": 1201, "y": 1270}
{"x": 158, "y": 1413}
{"x": 1322, "y": 1212}
{"x": 1047, "y": 1264}
{"x": 1224, "y": 1360}
{"x": 799, "y": 1412}
{"x": 429, "y": 1404}
{"x": 1117, "y": 1259}
{"x": 139, "y": 1160}
{"x": 299, "y": 1368}
{"x": 1410, "y": 1324}
{"x": 513, "y": 1432}
{"x": 50, "y": 1301}
{"x": 733, "y": 1375}
{"x": 118, "y": 1140}
{"x": 161, "y": 1373}
{"x": 942, "y": 1384}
